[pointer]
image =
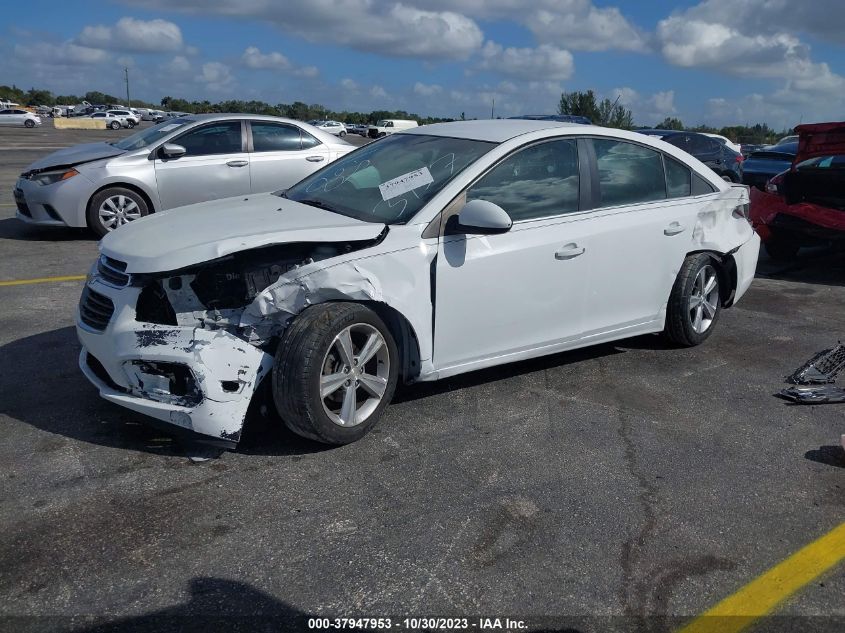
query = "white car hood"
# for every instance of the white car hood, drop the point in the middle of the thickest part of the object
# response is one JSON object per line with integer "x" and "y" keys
{"x": 197, "y": 233}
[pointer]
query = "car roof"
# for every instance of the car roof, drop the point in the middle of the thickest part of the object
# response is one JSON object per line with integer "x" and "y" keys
{"x": 493, "y": 130}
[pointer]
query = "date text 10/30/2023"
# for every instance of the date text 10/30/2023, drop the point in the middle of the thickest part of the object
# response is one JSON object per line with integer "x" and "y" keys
{"x": 422, "y": 623}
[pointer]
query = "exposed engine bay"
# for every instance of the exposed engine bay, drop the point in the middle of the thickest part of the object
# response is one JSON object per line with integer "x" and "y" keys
{"x": 214, "y": 294}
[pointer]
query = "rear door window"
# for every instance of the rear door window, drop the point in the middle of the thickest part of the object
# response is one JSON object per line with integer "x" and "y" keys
{"x": 275, "y": 137}
{"x": 628, "y": 173}
{"x": 678, "y": 178}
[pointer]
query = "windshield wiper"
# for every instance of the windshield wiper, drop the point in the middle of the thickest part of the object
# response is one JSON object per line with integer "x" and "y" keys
{"x": 311, "y": 202}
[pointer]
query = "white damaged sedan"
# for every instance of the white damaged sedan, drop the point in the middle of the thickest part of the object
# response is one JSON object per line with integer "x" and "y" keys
{"x": 433, "y": 252}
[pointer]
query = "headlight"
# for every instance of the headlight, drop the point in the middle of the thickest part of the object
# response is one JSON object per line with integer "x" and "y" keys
{"x": 50, "y": 177}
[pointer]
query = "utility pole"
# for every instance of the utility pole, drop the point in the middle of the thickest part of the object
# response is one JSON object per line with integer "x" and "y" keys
{"x": 493, "y": 109}
{"x": 126, "y": 75}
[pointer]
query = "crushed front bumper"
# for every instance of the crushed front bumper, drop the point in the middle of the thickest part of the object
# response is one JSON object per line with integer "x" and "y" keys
{"x": 195, "y": 379}
{"x": 770, "y": 214}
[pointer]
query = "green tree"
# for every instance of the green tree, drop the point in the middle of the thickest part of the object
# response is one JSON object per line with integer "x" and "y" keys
{"x": 605, "y": 112}
{"x": 39, "y": 97}
{"x": 12, "y": 93}
{"x": 670, "y": 123}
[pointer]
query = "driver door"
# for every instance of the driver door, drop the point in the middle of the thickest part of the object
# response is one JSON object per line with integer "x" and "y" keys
{"x": 499, "y": 295}
{"x": 215, "y": 165}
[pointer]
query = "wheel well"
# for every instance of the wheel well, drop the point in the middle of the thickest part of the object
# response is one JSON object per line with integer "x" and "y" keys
{"x": 404, "y": 335}
{"x": 150, "y": 207}
{"x": 725, "y": 266}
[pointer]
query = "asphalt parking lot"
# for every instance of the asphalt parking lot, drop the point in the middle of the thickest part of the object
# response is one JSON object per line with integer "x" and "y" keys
{"x": 630, "y": 486}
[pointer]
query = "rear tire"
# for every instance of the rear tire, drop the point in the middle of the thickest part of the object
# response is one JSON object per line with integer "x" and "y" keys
{"x": 694, "y": 305}
{"x": 114, "y": 125}
{"x": 320, "y": 394}
{"x": 342, "y": 134}
{"x": 29, "y": 123}
{"x": 781, "y": 249}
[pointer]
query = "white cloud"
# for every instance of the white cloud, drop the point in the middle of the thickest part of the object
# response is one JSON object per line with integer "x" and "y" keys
{"x": 349, "y": 84}
{"x": 65, "y": 54}
{"x": 179, "y": 64}
{"x": 254, "y": 58}
{"x": 217, "y": 76}
{"x": 581, "y": 26}
{"x": 545, "y": 62}
{"x": 130, "y": 34}
{"x": 377, "y": 92}
{"x": 427, "y": 90}
{"x": 646, "y": 109}
{"x": 379, "y": 26}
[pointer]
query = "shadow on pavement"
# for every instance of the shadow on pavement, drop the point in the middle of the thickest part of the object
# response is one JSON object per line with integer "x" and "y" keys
{"x": 812, "y": 265}
{"x": 14, "y": 229}
{"x": 828, "y": 455}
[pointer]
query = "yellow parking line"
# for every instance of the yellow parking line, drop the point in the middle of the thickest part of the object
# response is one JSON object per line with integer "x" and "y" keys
{"x": 41, "y": 280}
{"x": 759, "y": 597}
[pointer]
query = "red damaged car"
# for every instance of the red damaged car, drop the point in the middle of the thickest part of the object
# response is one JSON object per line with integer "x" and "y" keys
{"x": 805, "y": 205}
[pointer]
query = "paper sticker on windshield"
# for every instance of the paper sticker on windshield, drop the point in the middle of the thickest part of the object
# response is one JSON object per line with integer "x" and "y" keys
{"x": 405, "y": 183}
{"x": 172, "y": 126}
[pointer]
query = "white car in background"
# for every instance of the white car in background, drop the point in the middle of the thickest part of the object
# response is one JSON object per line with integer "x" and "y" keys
{"x": 112, "y": 121}
{"x": 132, "y": 119}
{"x": 332, "y": 127}
{"x": 19, "y": 117}
{"x": 433, "y": 252}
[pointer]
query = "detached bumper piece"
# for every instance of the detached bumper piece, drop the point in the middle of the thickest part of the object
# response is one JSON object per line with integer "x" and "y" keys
{"x": 821, "y": 369}
{"x": 822, "y": 394}
{"x": 818, "y": 374}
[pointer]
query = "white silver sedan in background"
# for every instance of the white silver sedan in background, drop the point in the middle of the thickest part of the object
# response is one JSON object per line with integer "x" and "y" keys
{"x": 184, "y": 160}
{"x": 436, "y": 251}
{"x": 17, "y": 116}
{"x": 332, "y": 127}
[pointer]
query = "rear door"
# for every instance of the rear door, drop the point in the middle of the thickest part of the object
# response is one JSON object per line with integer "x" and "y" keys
{"x": 641, "y": 232}
{"x": 282, "y": 154}
{"x": 215, "y": 165}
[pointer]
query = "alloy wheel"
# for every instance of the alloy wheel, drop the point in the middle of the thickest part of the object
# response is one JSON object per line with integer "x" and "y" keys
{"x": 355, "y": 372}
{"x": 704, "y": 299}
{"x": 118, "y": 210}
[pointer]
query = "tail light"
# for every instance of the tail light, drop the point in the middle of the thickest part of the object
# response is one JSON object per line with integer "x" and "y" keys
{"x": 739, "y": 158}
{"x": 743, "y": 211}
{"x": 773, "y": 185}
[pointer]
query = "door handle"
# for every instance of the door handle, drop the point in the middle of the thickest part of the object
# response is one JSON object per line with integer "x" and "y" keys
{"x": 673, "y": 229}
{"x": 315, "y": 159}
{"x": 238, "y": 163}
{"x": 570, "y": 251}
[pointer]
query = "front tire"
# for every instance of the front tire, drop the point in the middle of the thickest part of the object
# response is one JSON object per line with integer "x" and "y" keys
{"x": 29, "y": 123}
{"x": 111, "y": 208}
{"x": 335, "y": 371}
{"x": 695, "y": 303}
{"x": 342, "y": 134}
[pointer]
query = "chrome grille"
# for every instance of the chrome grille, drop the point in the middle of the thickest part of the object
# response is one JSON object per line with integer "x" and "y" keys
{"x": 95, "y": 310}
{"x": 112, "y": 272}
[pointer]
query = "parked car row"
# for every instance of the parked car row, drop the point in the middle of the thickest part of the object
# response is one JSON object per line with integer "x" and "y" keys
{"x": 716, "y": 154}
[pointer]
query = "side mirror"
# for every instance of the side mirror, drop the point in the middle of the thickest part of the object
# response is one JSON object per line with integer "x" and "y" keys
{"x": 171, "y": 150}
{"x": 479, "y": 217}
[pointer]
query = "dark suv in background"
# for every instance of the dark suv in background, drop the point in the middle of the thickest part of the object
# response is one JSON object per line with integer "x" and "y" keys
{"x": 717, "y": 156}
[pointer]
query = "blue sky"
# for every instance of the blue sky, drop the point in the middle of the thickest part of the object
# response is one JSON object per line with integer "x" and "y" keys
{"x": 714, "y": 61}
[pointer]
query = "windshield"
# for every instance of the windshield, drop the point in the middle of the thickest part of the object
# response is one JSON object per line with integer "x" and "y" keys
{"x": 151, "y": 135}
{"x": 389, "y": 180}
